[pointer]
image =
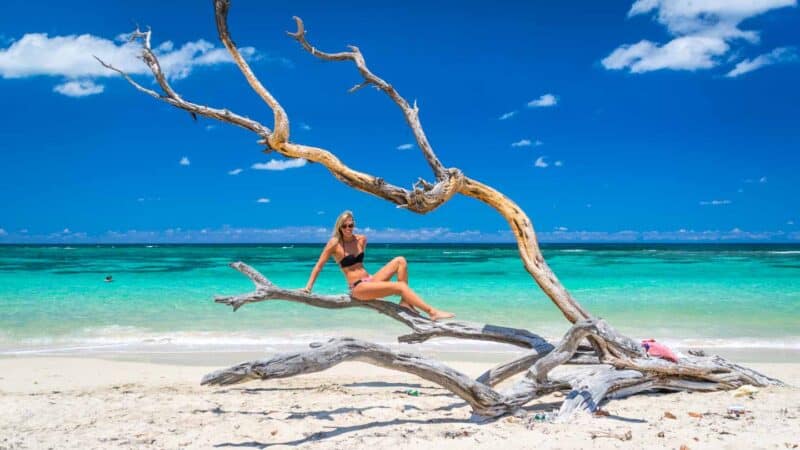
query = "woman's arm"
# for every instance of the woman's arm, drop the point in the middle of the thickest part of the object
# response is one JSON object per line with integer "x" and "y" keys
{"x": 323, "y": 258}
{"x": 363, "y": 242}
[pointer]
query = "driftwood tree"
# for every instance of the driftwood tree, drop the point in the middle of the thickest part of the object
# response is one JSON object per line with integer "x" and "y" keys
{"x": 614, "y": 365}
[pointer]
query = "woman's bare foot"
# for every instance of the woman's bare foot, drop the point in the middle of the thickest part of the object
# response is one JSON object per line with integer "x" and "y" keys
{"x": 435, "y": 315}
{"x": 409, "y": 307}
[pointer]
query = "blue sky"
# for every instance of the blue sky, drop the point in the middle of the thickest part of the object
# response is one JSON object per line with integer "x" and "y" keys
{"x": 662, "y": 120}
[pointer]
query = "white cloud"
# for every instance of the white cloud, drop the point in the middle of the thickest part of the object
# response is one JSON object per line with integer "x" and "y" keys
{"x": 405, "y": 146}
{"x": 79, "y": 88}
{"x": 235, "y": 171}
{"x": 522, "y": 143}
{"x": 72, "y": 57}
{"x": 762, "y": 180}
{"x": 305, "y": 126}
{"x": 543, "y": 101}
{"x": 562, "y": 229}
{"x": 684, "y": 53}
{"x": 262, "y": 200}
{"x": 558, "y": 164}
{"x": 320, "y": 213}
{"x": 66, "y": 231}
{"x": 3, "y": 232}
{"x": 716, "y": 202}
{"x": 507, "y": 115}
{"x": 779, "y": 55}
{"x": 276, "y": 164}
{"x": 184, "y": 161}
{"x": 540, "y": 162}
{"x": 703, "y": 32}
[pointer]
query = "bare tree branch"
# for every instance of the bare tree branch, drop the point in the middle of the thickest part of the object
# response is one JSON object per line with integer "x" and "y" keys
{"x": 171, "y": 97}
{"x": 423, "y": 328}
{"x": 484, "y": 400}
{"x": 281, "y": 133}
{"x": 411, "y": 113}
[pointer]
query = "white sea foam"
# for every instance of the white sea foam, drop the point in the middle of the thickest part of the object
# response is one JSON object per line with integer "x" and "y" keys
{"x": 573, "y": 250}
{"x": 127, "y": 339}
{"x": 785, "y": 252}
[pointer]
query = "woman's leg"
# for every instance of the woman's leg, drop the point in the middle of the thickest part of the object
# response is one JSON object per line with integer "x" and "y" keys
{"x": 370, "y": 290}
{"x": 397, "y": 266}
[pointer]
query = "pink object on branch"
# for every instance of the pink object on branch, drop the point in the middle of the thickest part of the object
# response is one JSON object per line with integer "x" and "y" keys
{"x": 658, "y": 350}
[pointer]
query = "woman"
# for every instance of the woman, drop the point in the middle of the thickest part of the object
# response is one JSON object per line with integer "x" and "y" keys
{"x": 347, "y": 248}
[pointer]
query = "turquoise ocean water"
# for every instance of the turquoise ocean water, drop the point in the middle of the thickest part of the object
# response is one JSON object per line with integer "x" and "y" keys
{"x": 54, "y": 299}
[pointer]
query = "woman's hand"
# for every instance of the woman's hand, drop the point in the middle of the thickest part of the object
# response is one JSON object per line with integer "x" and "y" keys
{"x": 306, "y": 289}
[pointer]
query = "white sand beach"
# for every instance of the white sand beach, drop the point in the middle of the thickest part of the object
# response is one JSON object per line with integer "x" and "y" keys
{"x": 84, "y": 403}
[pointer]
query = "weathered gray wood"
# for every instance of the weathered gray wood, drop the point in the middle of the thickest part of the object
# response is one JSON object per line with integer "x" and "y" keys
{"x": 484, "y": 400}
{"x": 423, "y": 327}
{"x": 588, "y": 387}
{"x": 503, "y": 371}
{"x": 592, "y": 386}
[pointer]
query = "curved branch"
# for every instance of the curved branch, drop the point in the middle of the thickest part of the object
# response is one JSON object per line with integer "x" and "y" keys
{"x": 171, "y": 97}
{"x": 483, "y": 399}
{"x": 529, "y": 250}
{"x": 423, "y": 328}
{"x": 281, "y": 133}
{"x": 411, "y": 113}
{"x": 503, "y": 371}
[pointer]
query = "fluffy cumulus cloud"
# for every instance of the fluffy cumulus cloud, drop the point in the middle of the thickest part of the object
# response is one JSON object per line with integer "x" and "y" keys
{"x": 703, "y": 32}
{"x": 540, "y": 162}
{"x": 71, "y": 58}
{"x": 184, "y": 161}
{"x": 777, "y": 56}
{"x": 263, "y": 200}
{"x": 543, "y": 101}
{"x": 277, "y": 164}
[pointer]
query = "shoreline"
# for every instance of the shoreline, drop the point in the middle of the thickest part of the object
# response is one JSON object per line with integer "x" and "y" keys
{"x": 478, "y": 352}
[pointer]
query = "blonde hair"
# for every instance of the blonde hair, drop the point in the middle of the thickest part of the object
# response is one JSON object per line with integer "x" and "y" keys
{"x": 337, "y": 227}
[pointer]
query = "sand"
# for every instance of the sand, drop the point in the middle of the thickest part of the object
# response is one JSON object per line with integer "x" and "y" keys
{"x": 70, "y": 402}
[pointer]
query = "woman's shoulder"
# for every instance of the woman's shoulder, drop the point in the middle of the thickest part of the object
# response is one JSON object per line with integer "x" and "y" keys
{"x": 362, "y": 238}
{"x": 331, "y": 243}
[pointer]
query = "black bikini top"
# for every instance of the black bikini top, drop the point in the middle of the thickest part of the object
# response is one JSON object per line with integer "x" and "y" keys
{"x": 350, "y": 260}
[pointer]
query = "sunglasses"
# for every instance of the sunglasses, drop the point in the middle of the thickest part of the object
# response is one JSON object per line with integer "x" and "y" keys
{"x": 349, "y": 225}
